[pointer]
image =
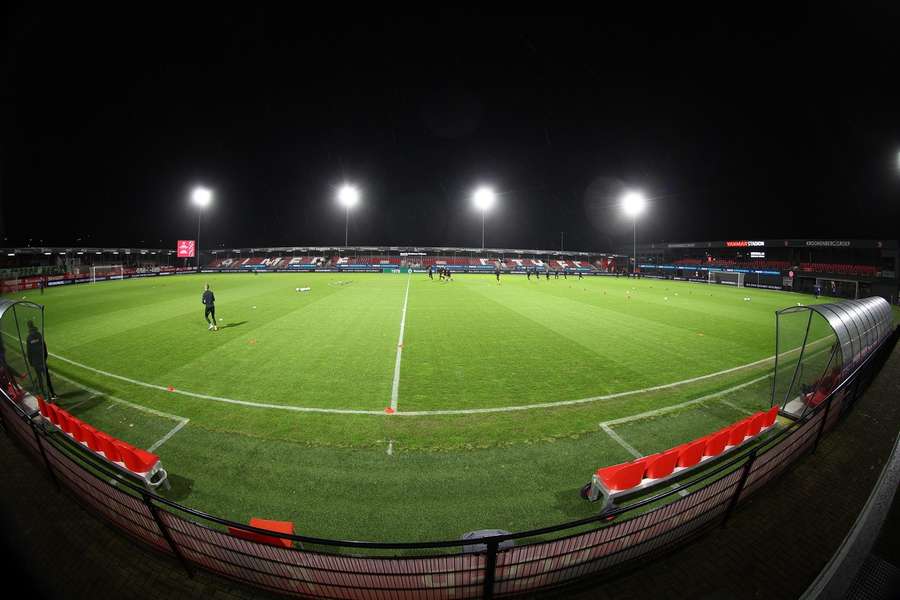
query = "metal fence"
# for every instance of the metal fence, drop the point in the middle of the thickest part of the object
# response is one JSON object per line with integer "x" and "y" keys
{"x": 541, "y": 559}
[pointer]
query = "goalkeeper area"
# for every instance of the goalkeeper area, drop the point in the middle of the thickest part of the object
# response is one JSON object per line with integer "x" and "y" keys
{"x": 394, "y": 407}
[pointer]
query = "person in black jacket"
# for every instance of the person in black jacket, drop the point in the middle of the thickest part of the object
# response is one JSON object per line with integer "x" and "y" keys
{"x": 37, "y": 358}
{"x": 209, "y": 301}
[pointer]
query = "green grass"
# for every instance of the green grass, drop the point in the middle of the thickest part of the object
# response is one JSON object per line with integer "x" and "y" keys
{"x": 468, "y": 344}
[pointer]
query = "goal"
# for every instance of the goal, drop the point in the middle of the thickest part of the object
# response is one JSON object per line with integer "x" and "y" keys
{"x": 106, "y": 272}
{"x": 727, "y": 278}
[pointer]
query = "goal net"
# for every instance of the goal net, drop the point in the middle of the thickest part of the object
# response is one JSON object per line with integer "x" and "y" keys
{"x": 106, "y": 272}
{"x": 727, "y": 278}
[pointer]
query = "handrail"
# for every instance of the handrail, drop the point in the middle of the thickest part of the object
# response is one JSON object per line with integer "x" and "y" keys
{"x": 772, "y": 442}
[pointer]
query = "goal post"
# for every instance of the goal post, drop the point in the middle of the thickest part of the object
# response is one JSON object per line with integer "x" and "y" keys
{"x": 726, "y": 278}
{"x": 107, "y": 272}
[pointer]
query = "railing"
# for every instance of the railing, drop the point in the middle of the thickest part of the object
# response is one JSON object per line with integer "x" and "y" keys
{"x": 592, "y": 547}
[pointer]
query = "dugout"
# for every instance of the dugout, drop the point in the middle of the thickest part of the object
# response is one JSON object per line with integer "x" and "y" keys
{"x": 23, "y": 367}
{"x": 818, "y": 346}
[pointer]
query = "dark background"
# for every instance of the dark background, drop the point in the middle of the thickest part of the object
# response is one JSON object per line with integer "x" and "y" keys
{"x": 758, "y": 124}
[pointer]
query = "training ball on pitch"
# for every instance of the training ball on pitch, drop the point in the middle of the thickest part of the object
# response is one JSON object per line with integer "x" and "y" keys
{"x": 666, "y": 298}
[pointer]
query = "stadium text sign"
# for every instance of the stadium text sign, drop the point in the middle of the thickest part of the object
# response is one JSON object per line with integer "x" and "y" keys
{"x": 839, "y": 243}
{"x": 185, "y": 248}
{"x": 744, "y": 243}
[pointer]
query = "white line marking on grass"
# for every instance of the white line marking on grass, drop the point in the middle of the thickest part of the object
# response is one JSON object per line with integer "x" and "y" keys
{"x": 621, "y": 442}
{"x": 395, "y": 385}
{"x": 166, "y": 437}
{"x": 182, "y": 421}
{"x": 674, "y": 407}
{"x": 422, "y": 413}
{"x": 736, "y": 407}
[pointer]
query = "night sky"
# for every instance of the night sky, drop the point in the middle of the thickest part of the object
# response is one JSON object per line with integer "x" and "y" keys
{"x": 785, "y": 124}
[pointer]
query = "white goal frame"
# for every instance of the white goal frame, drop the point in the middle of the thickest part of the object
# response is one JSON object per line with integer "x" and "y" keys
{"x": 94, "y": 268}
{"x": 727, "y": 278}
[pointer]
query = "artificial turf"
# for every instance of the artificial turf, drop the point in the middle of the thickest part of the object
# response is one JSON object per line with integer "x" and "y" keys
{"x": 468, "y": 344}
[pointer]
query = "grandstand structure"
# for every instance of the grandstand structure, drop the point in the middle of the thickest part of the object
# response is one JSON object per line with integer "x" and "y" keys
{"x": 839, "y": 268}
{"x": 379, "y": 259}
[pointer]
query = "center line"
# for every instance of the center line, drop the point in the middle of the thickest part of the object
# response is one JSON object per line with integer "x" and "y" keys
{"x": 395, "y": 387}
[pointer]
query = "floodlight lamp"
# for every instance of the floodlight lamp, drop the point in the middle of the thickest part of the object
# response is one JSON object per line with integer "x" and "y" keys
{"x": 633, "y": 203}
{"x": 348, "y": 195}
{"x": 201, "y": 196}
{"x": 484, "y": 198}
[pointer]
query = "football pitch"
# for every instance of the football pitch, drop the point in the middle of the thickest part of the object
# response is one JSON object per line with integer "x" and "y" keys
{"x": 397, "y": 408}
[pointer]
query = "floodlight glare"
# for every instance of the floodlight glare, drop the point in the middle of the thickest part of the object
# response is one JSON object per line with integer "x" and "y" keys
{"x": 633, "y": 203}
{"x": 484, "y": 198}
{"x": 348, "y": 195}
{"x": 201, "y": 196}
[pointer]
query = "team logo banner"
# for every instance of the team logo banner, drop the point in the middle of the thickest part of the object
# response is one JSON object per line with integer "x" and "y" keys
{"x": 185, "y": 248}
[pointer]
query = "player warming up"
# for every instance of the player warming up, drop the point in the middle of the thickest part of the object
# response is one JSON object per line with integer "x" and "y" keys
{"x": 209, "y": 301}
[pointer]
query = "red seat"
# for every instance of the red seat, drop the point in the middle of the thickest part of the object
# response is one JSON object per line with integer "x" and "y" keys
{"x": 623, "y": 477}
{"x": 690, "y": 454}
{"x": 817, "y": 398}
{"x": 770, "y": 416}
{"x": 662, "y": 465}
{"x": 107, "y": 445}
{"x": 737, "y": 433}
{"x": 52, "y": 412}
{"x": 716, "y": 443}
{"x": 77, "y": 428}
{"x": 135, "y": 459}
{"x": 42, "y": 405}
{"x": 65, "y": 421}
{"x": 285, "y": 527}
{"x": 89, "y": 435}
{"x": 756, "y": 423}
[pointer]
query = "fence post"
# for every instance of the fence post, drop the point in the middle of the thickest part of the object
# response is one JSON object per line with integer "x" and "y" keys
{"x": 490, "y": 569}
{"x": 168, "y": 536}
{"x": 822, "y": 425}
{"x": 40, "y": 444}
{"x": 740, "y": 486}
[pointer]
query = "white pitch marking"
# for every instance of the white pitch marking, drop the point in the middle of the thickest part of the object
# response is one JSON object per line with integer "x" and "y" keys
{"x": 736, "y": 407}
{"x": 395, "y": 386}
{"x": 182, "y": 421}
{"x": 631, "y": 449}
{"x": 674, "y": 407}
{"x": 423, "y": 413}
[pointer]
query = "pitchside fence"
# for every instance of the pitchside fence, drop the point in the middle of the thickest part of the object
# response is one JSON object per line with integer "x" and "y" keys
{"x": 541, "y": 559}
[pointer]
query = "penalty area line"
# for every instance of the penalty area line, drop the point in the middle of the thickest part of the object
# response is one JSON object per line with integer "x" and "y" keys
{"x": 182, "y": 421}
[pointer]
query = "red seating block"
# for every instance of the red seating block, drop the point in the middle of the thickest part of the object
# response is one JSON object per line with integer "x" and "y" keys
{"x": 90, "y": 437}
{"x": 277, "y": 526}
{"x": 716, "y": 443}
{"x": 42, "y": 406}
{"x": 52, "y": 414}
{"x": 622, "y": 477}
{"x": 737, "y": 433}
{"x": 662, "y": 465}
{"x": 756, "y": 423}
{"x": 107, "y": 445}
{"x": 770, "y": 416}
{"x": 690, "y": 454}
{"x": 135, "y": 459}
{"x": 65, "y": 421}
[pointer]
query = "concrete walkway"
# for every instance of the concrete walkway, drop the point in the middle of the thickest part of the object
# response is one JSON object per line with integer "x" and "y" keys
{"x": 773, "y": 547}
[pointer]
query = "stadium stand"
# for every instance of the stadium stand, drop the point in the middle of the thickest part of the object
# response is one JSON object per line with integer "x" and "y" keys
{"x": 626, "y": 479}
{"x": 135, "y": 462}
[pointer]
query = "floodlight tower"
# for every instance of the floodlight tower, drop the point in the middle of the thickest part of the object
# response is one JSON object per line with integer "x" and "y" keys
{"x": 483, "y": 198}
{"x": 633, "y": 203}
{"x": 348, "y": 196}
{"x": 201, "y": 197}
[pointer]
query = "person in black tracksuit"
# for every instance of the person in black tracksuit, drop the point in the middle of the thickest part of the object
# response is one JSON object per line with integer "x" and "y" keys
{"x": 209, "y": 301}
{"x": 37, "y": 358}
